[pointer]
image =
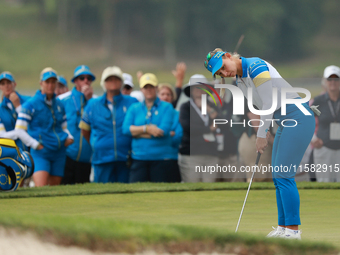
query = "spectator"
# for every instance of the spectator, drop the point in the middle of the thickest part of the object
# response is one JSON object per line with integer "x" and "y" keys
{"x": 202, "y": 150}
{"x": 149, "y": 123}
{"x": 326, "y": 142}
{"x": 179, "y": 74}
{"x": 78, "y": 155}
{"x": 43, "y": 118}
{"x": 226, "y": 141}
{"x": 10, "y": 107}
{"x": 61, "y": 87}
{"x": 102, "y": 127}
{"x": 128, "y": 84}
{"x": 166, "y": 93}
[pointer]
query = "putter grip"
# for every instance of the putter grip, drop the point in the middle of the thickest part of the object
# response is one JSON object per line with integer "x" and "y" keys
{"x": 258, "y": 158}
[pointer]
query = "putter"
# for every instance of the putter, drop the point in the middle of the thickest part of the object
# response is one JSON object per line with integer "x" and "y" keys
{"x": 245, "y": 200}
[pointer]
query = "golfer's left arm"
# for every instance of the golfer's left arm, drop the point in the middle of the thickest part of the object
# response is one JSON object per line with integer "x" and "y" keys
{"x": 265, "y": 91}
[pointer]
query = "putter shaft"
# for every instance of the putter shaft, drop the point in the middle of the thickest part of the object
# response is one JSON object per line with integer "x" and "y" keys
{"x": 245, "y": 200}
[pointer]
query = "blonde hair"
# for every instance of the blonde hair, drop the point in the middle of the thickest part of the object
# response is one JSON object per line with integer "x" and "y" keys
{"x": 167, "y": 85}
{"x": 6, "y": 72}
{"x": 48, "y": 69}
{"x": 234, "y": 54}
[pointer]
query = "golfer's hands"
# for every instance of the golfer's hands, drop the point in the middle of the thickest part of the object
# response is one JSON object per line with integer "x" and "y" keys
{"x": 87, "y": 91}
{"x": 261, "y": 144}
{"x": 68, "y": 142}
{"x": 317, "y": 143}
{"x": 154, "y": 131}
{"x": 14, "y": 99}
{"x": 179, "y": 73}
{"x": 270, "y": 138}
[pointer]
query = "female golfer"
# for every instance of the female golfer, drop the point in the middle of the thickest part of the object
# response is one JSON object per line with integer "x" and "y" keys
{"x": 290, "y": 142}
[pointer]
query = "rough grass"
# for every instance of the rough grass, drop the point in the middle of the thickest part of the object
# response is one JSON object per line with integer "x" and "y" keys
{"x": 131, "y": 237}
{"x": 137, "y": 217}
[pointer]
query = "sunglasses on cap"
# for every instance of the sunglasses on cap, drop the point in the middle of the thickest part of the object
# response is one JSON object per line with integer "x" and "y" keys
{"x": 206, "y": 62}
{"x": 83, "y": 77}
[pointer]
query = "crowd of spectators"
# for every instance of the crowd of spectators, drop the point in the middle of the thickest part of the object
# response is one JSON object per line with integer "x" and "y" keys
{"x": 133, "y": 133}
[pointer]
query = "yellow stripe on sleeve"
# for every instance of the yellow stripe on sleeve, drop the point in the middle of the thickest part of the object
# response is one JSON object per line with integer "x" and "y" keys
{"x": 261, "y": 78}
{"x": 20, "y": 127}
{"x": 83, "y": 125}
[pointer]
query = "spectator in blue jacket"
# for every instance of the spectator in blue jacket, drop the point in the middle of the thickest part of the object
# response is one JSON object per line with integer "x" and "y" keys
{"x": 102, "y": 126}
{"x": 10, "y": 107}
{"x": 42, "y": 124}
{"x": 78, "y": 154}
{"x": 61, "y": 87}
{"x": 167, "y": 93}
{"x": 149, "y": 123}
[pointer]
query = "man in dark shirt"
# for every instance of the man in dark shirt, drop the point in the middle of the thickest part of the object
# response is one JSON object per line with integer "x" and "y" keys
{"x": 326, "y": 143}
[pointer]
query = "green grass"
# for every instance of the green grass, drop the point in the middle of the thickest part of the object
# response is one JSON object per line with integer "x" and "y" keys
{"x": 95, "y": 188}
{"x": 147, "y": 215}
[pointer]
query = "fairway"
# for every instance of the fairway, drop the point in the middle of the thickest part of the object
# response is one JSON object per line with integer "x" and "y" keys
{"x": 214, "y": 209}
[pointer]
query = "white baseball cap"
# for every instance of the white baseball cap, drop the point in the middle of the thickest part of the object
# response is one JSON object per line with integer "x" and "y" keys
{"x": 128, "y": 80}
{"x": 330, "y": 70}
{"x": 110, "y": 71}
{"x": 138, "y": 95}
{"x": 194, "y": 80}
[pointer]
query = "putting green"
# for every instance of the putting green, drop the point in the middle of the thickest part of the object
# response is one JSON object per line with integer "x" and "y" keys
{"x": 215, "y": 209}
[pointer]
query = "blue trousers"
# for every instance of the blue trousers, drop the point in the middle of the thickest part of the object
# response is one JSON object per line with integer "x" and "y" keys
{"x": 116, "y": 171}
{"x": 289, "y": 147}
{"x": 151, "y": 171}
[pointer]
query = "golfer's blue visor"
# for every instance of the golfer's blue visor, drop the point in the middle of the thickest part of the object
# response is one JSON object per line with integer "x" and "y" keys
{"x": 214, "y": 63}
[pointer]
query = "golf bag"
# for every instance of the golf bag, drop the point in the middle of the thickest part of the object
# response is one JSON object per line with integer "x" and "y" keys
{"x": 15, "y": 165}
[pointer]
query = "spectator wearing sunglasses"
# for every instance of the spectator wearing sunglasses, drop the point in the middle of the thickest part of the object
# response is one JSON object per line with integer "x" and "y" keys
{"x": 78, "y": 160}
{"x": 128, "y": 84}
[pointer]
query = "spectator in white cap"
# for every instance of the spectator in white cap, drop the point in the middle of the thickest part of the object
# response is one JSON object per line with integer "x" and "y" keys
{"x": 128, "y": 84}
{"x": 101, "y": 126}
{"x": 199, "y": 146}
{"x": 326, "y": 141}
